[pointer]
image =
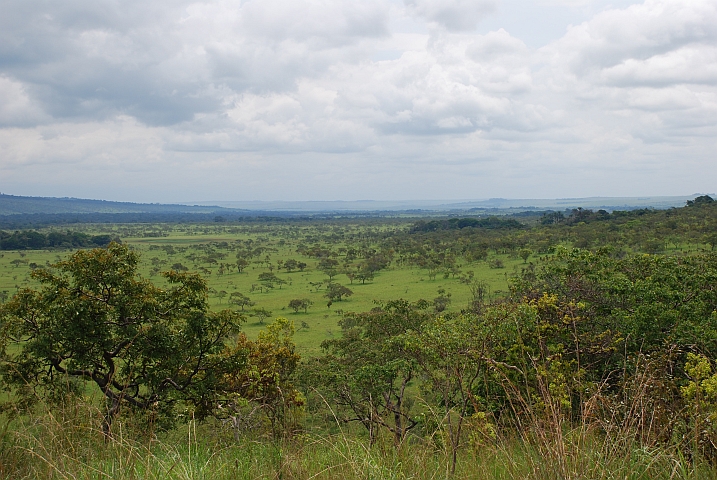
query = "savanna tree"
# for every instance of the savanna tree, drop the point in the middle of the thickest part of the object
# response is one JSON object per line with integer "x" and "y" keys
{"x": 365, "y": 373}
{"x": 95, "y": 321}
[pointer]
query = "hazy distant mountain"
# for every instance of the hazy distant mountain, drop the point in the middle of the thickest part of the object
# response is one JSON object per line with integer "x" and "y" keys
{"x": 18, "y": 205}
{"x": 15, "y": 205}
{"x": 608, "y": 203}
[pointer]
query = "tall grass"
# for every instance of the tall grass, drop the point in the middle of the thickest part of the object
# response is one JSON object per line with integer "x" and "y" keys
{"x": 65, "y": 443}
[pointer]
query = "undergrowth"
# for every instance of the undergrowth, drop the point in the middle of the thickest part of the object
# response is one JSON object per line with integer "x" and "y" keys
{"x": 63, "y": 443}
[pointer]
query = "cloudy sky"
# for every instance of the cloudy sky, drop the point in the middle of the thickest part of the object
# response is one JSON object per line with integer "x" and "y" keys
{"x": 181, "y": 100}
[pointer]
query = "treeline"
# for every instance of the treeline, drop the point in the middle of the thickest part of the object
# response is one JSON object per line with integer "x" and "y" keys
{"x": 32, "y": 240}
{"x": 490, "y": 223}
{"x": 643, "y": 230}
{"x": 38, "y": 220}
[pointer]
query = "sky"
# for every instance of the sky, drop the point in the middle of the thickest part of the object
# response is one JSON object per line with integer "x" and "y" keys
{"x": 236, "y": 100}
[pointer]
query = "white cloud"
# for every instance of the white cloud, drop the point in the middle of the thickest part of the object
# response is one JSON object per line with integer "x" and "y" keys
{"x": 122, "y": 142}
{"x": 16, "y": 107}
{"x": 564, "y": 3}
{"x": 196, "y": 94}
{"x": 638, "y": 32}
{"x": 688, "y": 64}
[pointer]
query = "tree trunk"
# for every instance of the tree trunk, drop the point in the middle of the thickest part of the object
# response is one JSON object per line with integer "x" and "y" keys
{"x": 113, "y": 406}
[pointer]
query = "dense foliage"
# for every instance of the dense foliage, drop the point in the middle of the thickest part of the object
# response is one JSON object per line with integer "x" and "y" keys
{"x": 94, "y": 321}
{"x": 32, "y": 240}
{"x": 586, "y": 338}
{"x": 490, "y": 223}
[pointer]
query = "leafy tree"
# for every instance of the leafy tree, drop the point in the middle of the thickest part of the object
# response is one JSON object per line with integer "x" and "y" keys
{"x": 261, "y": 313}
{"x": 365, "y": 273}
{"x": 300, "y": 303}
{"x": 551, "y": 218}
{"x": 441, "y": 302}
{"x": 329, "y": 266}
{"x": 269, "y": 279}
{"x": 365, "y": 374}
{"x": 496, "y": 263}
{"x": 265, "y": 382}
{"x": 290, "y": 265}
{"x": 18, "y": 261}
{"x": 711, "y": 240}
{"x": 240, "y": 300}
{"x": 336, "y": 292}
{"x": 350, "y": 274}
{"x": 650, "y": 299}
{"x": 241, "y": 264}
{"x": 221, "y": 294}
{"x": 595, "y": 314}
{"x": 701, "y": 200}
{"x": 94, "y": 320}
{"x": 480, "y": 292}
{"x": 450, "y": 354}
{"x": 30, "y": 239}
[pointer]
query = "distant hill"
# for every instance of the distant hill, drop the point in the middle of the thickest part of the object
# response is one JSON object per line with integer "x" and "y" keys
{"x": 607, "y": 203}
{"x": 493, "y": 205}
{"x": 17, "y": 205}
{"x": 28, "y": 210}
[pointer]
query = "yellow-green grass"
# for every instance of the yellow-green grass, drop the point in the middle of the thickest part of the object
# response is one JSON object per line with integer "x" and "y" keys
{"x": 64, "y": 443}
{"x": 321, "y": 321}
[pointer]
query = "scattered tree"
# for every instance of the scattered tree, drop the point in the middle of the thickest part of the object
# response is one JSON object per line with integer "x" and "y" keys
{"x": 261, "y": 313}
{"x": 335, "y": 292}
{"x": 441, "y": 302}
{"x": 300, "y": 304}
{"x": 241, "y": 264}
{"x": 240, "y": 300}
{"x": 265, "y": 383}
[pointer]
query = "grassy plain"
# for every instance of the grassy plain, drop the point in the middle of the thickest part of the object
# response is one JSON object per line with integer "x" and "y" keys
{"x": 64, "y": 442}
{"x": 204, "y": 249}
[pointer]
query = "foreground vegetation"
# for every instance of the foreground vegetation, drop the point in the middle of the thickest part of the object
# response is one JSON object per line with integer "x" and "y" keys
{"x": 576, "y": 345}
{"x": 63, "y": 444}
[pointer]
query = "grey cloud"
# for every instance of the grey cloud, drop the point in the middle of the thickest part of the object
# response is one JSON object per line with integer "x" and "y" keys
{"x": 453, "y": 15}
{"x": 321, "y": 23}
{"x": 164, "y": 62}
{"x": 661, "y": 99}
{"x": 646, "y": 71}
{"x": 84, "y": 59}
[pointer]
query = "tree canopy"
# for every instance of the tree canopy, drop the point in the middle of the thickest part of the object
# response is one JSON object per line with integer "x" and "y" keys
{"x": 94, "y": 320}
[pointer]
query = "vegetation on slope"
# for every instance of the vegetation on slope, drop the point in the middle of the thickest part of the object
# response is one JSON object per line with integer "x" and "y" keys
{"x": 597, "y": 362}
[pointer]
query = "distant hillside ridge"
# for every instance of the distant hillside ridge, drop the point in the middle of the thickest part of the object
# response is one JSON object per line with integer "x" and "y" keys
{"x": 486, "y": 206}
{"x": 18, "y": 205}
{"x": 38, "y": 207}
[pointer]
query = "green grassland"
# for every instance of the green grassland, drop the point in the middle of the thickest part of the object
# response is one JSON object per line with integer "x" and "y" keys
{"x": 204, "y": 249}
{"x": 641, "y": 406}
{"x": 212, "y": 250}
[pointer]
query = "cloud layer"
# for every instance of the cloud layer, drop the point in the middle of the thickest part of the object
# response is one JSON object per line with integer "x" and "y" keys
{"x": 179, "y": 100}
